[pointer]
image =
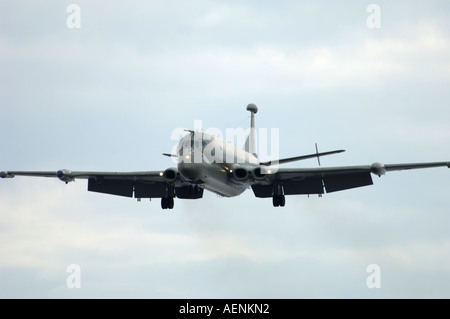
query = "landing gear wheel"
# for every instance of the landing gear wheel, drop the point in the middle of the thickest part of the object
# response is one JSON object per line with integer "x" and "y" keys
{"x": 167, "y": 202}
{"x": 282, "y": 200}
{"x": 278, "y": 200}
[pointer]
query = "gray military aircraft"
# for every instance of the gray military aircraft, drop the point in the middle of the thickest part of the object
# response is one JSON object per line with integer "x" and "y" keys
{"x": 208, "y": 162}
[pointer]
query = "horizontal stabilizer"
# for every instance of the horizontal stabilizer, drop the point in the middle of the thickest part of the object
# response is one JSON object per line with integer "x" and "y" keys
{"x": 169, "y": 155}
{"x": 299, "y": 158}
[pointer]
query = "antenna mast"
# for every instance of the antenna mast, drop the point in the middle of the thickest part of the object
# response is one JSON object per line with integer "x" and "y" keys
{"x": 250, "y": 144}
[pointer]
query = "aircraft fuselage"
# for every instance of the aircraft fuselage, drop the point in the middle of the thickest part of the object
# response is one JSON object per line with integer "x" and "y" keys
{"x": 209, "y": 161}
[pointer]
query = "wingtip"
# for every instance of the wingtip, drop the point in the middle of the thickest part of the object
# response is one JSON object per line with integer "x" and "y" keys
{"x": 5, "y": 174}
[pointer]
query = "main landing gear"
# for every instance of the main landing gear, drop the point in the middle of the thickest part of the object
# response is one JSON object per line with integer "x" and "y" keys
{"x": 167, "y": 202}
{"x": 278, "y": 200}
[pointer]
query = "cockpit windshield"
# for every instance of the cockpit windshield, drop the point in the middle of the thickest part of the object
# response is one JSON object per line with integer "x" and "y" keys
{"x": 192, "y": 142}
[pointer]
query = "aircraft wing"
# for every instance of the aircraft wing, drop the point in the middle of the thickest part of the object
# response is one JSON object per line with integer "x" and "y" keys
{"x": 142, "y": 184}
{"x": 330, "y": 179}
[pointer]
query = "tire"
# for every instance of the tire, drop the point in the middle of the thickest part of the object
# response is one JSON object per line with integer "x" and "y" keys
{"x": 282, "y": 200}
{"x": 276, "y": 201}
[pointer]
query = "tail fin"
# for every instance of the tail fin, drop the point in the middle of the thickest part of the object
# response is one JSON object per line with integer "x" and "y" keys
{"x": 250, "y": 143}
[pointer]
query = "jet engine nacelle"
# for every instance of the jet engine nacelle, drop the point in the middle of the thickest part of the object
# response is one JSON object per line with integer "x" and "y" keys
{"x": 64, "y": 175}
{"x": 241, "y": 173}
{"x": 258, "y": 173}
{"x": 244, "y": 173}
{"x": 378, "y": 169}
{"x": 170, "y": 174}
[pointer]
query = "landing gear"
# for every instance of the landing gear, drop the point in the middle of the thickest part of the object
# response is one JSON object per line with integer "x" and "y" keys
{"x": 167, "y": 202}
{"x": 278, "y": 200}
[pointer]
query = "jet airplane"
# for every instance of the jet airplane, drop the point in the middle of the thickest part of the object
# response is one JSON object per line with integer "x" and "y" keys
{"x": 204, "y": 162}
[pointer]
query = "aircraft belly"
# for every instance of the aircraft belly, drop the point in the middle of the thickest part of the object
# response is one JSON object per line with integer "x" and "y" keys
{"x": 226, "y": 190}
{"x": 213, "y": 178}
{"x": 217, "y": 181}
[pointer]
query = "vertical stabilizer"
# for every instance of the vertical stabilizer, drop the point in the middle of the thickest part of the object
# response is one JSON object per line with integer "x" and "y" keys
{"x": 250, "y": 144}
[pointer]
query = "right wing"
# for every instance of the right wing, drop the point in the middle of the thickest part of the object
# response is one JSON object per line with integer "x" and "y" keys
{"x": 330, "y": 179}
{"x": 143, "y": 184}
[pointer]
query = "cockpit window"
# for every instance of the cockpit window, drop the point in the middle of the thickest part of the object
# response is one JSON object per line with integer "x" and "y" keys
{"x": 192, "y": 142}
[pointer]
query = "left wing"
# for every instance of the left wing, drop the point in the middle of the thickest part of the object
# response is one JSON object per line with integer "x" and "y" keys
{"x": 290, "y": 181}
{"x": 144, "y": 184}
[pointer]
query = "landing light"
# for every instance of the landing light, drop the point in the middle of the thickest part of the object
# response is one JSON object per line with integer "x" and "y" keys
{"x": 161, "y": 173}
{"x": 187, "y": 156}
{"x": 269, "y": 171}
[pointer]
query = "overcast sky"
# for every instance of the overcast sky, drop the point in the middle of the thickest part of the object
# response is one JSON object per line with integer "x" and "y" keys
{"x": 108, "y": 95}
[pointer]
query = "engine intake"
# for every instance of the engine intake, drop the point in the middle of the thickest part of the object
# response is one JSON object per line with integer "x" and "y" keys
{"x": 170, "y": 174}
{"x": 244, "y": 173}
{"x": 258, "y": 173}
{"x": 241, "y": 173}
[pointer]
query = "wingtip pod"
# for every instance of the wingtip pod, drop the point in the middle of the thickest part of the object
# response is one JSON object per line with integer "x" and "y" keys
{"x": 5, "y": 174}
{"x": 378, "y": 169}
{"x": 65, "y": 176}
{"x": 448, "y": 164}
